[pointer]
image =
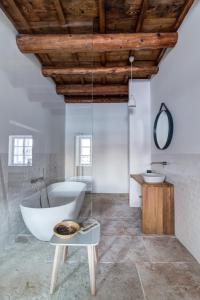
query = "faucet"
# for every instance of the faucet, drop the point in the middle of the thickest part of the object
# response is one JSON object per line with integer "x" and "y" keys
{"x": 39, "y": 180}
{"x": 36, "y": 180}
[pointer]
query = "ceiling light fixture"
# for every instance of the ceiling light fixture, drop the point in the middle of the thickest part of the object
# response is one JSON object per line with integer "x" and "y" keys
{"x": 131, "y": 100}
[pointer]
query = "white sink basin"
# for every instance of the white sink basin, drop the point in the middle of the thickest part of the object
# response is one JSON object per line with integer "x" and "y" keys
{"x": 153, "y": 177}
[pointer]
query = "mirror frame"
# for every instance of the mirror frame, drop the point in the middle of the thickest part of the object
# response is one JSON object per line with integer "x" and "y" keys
{"x": 164, "y": 108}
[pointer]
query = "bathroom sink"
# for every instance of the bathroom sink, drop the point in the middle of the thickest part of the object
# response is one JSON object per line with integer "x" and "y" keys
{"x": 153, "y": 177}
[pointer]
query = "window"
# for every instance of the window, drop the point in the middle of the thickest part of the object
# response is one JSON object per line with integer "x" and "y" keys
{"x": 20, "y": 150}
{"x": 83, "y": 150}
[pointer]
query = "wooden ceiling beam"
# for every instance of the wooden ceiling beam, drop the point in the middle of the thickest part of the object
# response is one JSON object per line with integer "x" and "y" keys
{"x": 160, "y": 56}
{"x": 60, "y": 13}
{"x": 126, "y": 78}
{"x": 22, "y": 24}
{"x": 184, "y": 11}
{"x": 88, "y": 99}
{"x": 88, "y": 89}
{"x": 102, "y": 16}
{"x": 10, "y": 8}
{"x": 142, "y": 15}
{"x": 144, "y": 7}
{"x": 44, "y": 43}
{"x": 102, "y": 29}
{"x": 63, "y": 21}
{"x": 122, "y": 70}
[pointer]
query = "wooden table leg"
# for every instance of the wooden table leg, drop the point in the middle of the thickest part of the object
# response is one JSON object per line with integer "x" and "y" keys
{"x": 64, "y": 254}
{"x": 96, "y": 254}
{"x": 91, "y": 261}
{"x": 57, "y": 260}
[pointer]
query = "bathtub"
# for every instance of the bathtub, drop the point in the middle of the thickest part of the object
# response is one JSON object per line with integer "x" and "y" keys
{"x": 85, "y": 179}
{"x": 65, "y": 199}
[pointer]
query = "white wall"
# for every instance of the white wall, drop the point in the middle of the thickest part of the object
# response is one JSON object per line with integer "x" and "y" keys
{"x": 139, "y": 137}
{"x": 109, "y": 125}
{"x": 111, "y": 148}
{"x": 21, "y": 84}
{"x": 177, "y": 84}
{"x": 78, "y": 121}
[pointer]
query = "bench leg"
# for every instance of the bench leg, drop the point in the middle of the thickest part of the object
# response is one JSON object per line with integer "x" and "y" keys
{"x": 96, "y": 254}
{"x": 91, "y": 261}
{"x": 64, "y": 254}
{"x": 57, "y": 260}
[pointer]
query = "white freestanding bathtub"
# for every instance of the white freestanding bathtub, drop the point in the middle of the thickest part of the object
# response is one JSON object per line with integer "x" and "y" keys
{"x": 65, "y": 199}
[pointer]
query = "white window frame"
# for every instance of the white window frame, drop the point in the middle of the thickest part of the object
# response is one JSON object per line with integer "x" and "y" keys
{"x": 11, "y": 148}
{"x": 78, "y": 150}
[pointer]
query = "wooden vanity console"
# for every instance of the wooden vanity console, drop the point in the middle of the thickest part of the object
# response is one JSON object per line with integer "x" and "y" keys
{"x": 157, "y": 207}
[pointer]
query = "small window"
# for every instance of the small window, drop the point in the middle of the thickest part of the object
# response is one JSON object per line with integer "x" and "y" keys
{"x": 20, "y": 150}
{"x": 83, "y": 150}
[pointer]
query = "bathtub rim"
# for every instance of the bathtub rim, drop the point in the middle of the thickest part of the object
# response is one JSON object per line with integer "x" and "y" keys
{"x": 54, "y": 207}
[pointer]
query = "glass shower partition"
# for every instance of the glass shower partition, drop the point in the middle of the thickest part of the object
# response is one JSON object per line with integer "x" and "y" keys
{"x": 79, "y": 139}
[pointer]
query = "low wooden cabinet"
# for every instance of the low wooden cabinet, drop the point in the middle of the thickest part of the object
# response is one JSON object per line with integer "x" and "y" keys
{"x": 157, "y": 207}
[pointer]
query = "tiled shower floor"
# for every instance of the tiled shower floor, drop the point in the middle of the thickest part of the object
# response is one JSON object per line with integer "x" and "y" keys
{"x": 132, "y": 266}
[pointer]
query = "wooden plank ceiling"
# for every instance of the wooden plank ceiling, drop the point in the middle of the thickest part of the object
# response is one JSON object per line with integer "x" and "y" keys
{"x": 83, "y": 41}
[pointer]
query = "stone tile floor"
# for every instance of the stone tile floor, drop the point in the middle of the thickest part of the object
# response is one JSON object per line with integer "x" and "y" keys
{"x": 132, "y": 266}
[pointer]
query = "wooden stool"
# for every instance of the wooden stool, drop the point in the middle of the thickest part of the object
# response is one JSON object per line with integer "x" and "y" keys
{"x": 89, "y": 240}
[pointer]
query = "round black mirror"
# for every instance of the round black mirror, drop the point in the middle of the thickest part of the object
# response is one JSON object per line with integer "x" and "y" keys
{"x": 163, "y": 128}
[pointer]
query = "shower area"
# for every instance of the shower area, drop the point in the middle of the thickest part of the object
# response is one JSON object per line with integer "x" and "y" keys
{"x": 27, "y": 167}
{"x": 79, "y": 146}
{"x": 79, "y": 116}
{"x": 82, "y": 140}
